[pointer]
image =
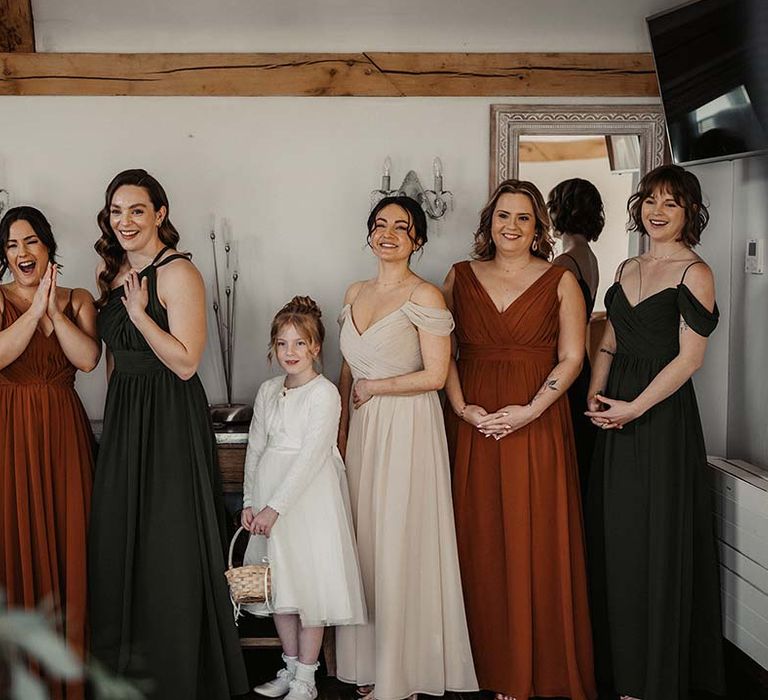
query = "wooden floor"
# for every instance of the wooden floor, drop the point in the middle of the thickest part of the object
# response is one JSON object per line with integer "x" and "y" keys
{"x": 746, "y": 680}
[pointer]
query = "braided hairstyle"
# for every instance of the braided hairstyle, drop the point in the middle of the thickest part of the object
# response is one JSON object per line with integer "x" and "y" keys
{"x": 304, "y": 315}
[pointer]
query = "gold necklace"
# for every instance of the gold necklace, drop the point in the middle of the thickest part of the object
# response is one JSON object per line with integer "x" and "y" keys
{"x": 666, "y": 257}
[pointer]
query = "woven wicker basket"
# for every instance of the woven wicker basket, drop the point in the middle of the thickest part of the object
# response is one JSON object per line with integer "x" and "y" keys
{"x": 248, "y": 584}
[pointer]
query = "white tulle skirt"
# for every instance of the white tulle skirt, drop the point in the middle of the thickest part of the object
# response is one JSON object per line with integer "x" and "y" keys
{"x": 315, "y": 571}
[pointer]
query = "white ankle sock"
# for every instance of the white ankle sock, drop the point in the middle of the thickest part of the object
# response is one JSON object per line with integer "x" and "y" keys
{"x": 290, "y": 663}
{"x": 306, "y": 672}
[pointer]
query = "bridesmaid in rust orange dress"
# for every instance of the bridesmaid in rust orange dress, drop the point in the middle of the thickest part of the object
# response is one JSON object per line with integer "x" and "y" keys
{"x": 520, "y": 332}
{"x": 46, "y": 452}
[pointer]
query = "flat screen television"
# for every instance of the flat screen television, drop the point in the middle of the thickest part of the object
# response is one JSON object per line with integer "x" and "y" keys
{"x": 712, "y": 65}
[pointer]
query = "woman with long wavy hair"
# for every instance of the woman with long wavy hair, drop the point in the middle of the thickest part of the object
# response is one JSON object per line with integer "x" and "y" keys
{"x": 520, "y": 332}
{"x": 158, "y": 598}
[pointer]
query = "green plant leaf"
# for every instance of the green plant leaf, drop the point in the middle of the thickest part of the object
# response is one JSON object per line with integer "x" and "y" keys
{"x": 32, "y": 633}
{"x": 24, "y": 686}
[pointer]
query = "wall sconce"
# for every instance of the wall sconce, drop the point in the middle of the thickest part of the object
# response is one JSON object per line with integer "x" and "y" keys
{"x": 435, "y": 202}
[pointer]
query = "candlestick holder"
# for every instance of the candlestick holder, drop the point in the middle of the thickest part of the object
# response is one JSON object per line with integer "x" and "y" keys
{"x": 228, "y": 412}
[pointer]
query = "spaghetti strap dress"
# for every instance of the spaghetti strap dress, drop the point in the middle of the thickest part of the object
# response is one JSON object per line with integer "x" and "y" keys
{"x": 584, "y": 430}
{"x": 46, "y": 468}
{"x": 516, "y": 500}
{"x": 653, "y": 563}
{"x": 159, "y": 604}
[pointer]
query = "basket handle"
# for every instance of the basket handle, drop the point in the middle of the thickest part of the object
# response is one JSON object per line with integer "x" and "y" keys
{"x": 232, "y": 546}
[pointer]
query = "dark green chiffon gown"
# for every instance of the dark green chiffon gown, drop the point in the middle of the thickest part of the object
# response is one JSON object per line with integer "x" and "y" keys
{"x": 654, "y": 579}
{"x": 159, "y": 605}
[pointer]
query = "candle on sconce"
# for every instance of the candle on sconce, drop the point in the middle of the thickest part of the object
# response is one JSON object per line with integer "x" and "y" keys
{"x": 437, "y": 169}
{"x": 385, "y": 180}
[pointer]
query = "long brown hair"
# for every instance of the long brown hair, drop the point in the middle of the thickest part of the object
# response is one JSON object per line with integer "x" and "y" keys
{"x": 108, "y": 247}
{"x": 485, "y": 249}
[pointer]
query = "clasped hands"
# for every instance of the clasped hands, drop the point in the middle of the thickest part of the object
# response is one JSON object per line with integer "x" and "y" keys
{"x": 503, "y": 422}
{"x": 44, "y": 301}
{"x": 608, "y": 414}
{"x": 261, "y": 523}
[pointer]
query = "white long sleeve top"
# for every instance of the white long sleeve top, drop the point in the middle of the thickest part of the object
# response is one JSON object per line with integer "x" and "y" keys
{"x": 304, "y": 421}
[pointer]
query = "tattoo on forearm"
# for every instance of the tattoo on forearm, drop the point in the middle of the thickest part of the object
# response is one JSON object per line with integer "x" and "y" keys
{"x": 607, "y": 352}
{"x": 550, "y": 384}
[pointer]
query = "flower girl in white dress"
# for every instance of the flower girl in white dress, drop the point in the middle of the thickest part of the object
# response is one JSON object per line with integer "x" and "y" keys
{"x": 296, "y": 502}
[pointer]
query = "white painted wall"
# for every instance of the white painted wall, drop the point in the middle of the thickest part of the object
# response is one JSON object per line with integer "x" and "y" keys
{"x": 748, "y": 366}
{"x": 343, "y": 25}
{"x": 292, "y": 176}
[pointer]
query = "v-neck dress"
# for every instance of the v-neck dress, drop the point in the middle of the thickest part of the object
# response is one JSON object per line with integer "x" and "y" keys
{"x": 46, "y": 467}
{"x": 517, "y": 502}
{"x": 159, "y": 603}
{"x": 653, "y": 562}
{"x": 416, "y": 640}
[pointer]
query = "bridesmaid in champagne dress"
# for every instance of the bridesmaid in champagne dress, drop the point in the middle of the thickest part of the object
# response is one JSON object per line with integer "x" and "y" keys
{"x": 520, "y": 332}
{"x": 395, "y": 340}
{"x": 47, "y": 333}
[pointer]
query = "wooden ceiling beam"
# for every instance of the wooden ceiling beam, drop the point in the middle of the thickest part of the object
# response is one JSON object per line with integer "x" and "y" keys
{"x": 17, "y": 29}
{"x": 361, "y": 75}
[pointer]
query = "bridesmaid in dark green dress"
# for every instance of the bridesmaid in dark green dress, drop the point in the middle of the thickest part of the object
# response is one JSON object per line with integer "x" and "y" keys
{"x": 653, "y": 563}
{"x": 159, "y": 606}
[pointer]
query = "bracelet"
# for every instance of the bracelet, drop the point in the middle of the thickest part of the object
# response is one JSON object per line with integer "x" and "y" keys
{"x": 460, "y": 413}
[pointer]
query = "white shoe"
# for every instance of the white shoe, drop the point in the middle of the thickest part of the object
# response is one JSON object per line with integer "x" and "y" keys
{"x": 277, "y": 687}
{"x": 301, "y": 690}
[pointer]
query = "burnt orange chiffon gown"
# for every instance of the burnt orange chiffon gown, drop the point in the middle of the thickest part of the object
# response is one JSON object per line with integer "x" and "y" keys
{"x": 46, "y": 467}
{"x": 516, "y": 501}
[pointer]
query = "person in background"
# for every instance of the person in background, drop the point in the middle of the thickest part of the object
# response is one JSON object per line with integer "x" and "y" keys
{"x": 576, "y": 211}
{"x": 47, "y": 333}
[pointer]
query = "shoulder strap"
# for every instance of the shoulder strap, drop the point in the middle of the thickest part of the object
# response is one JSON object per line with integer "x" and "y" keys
{"x": 415, "y": 287}
{"x": 160, "y": 255}
{"x": 695, "y": 262}
{"x": 578, "y": 267}
{"x": 171, "y": 258}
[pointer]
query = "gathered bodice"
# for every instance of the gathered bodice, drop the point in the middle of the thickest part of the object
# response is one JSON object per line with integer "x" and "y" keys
{"x": 390, "y": 346}
{"x": 650, "y": 329}
{"x": 43, "y": 362}
{"x": 128, "y": 346}
{"x": 526, "y": 331}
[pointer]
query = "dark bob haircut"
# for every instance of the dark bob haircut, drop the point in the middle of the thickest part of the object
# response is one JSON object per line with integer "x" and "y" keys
{"x": 576, "y": 207}
{"x": 684, "y": 188}
{"x": 36, "y": 219}
{"x": 417, "y": 219}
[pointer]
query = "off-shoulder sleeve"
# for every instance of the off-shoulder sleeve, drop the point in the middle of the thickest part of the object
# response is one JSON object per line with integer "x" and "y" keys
{"x": 343, "y": 314}
{"x": 430, "y": 319}
{"x": 695, "y": 314}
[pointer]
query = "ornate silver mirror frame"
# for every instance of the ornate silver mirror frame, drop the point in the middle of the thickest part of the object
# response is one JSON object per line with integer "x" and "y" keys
{"x": 510, "y": 122}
